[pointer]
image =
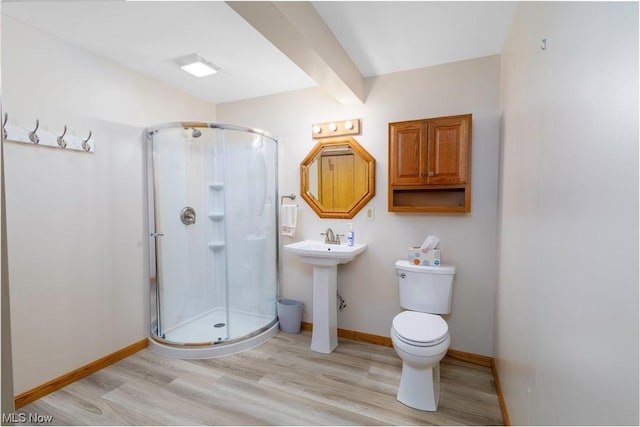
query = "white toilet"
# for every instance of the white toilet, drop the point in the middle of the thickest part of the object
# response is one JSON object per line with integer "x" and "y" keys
{"x": 419, "y": 335}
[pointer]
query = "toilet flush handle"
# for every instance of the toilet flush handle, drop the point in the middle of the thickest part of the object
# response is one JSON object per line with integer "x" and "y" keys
{"x": 401, "y": 275}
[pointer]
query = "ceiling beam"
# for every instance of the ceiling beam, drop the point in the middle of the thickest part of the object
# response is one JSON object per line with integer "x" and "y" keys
{"x": 298, "y": 30}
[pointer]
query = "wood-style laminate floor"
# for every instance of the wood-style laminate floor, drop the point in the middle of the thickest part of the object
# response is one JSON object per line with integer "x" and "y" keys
{"x": 281, "y": 382}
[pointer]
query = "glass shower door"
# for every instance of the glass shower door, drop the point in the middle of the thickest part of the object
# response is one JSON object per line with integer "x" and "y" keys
{"x": 251, "y": 197}
{"x": 190, "y": 253}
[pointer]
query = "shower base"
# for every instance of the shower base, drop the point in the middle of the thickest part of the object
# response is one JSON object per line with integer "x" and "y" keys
{"x": 247, "y": 330}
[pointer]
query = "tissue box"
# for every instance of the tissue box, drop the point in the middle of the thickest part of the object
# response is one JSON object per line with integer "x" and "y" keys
{"x": 418, "y": 257}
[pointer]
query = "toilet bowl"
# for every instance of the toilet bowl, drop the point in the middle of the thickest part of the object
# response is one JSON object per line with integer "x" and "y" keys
{"x": 421, "y": 340}
{"x": 419, "y": 335}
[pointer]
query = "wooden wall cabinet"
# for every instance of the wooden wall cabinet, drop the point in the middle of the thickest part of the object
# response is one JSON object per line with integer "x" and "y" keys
{"x": 430, "y": 165}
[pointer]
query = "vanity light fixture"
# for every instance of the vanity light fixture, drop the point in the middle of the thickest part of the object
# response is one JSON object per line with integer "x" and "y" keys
{"x": 196, "y": 65}
{"x": 337, "y": 128}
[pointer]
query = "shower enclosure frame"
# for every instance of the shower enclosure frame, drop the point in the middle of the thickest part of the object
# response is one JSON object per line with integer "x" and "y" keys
{"x": 153, "y": 248}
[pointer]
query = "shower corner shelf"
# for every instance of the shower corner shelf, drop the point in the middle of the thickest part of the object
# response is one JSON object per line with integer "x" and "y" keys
{"x": 216, "y": 216}
{"x": 216, "y": 246}
{"x": 216, "y": 185}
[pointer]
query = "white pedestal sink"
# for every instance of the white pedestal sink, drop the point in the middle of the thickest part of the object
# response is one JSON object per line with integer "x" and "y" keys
{"x": 325, "y": 259}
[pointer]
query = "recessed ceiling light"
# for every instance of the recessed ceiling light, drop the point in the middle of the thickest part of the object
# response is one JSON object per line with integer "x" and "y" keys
{"x": 196, "y": 65}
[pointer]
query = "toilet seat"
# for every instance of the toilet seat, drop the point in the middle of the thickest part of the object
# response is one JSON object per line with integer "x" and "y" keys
{"x": 420, "y": 329}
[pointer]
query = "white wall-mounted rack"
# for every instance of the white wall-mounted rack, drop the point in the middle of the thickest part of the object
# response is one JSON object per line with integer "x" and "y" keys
{"x": 43, "y": 138}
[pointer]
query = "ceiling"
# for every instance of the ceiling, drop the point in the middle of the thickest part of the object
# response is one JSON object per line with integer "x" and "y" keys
{"x": 379, "y": 37}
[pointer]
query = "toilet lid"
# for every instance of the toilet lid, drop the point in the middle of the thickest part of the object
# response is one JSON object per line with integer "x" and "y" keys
{"x": 422, "y": 328}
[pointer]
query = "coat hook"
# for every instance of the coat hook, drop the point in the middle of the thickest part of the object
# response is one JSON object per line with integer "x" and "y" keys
{"x": 61, "y": 142}
{"x": 85, "y": 143}
{"x": 544, "y": 44}
{"x": 33, "y": 137}
{"x": 4, "y": 123}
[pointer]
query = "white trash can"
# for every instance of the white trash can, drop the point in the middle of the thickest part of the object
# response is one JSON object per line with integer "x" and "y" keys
{"x": 290, "y": 315}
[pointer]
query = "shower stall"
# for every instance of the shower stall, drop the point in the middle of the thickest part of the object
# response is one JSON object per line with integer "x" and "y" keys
{"x": 212, "y": 203}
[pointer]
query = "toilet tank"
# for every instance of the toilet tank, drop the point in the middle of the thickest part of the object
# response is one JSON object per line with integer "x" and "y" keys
{"x": 424, "y": 288}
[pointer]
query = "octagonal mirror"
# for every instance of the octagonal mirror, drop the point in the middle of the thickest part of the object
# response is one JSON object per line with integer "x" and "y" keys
{"x": 337, "y": 178}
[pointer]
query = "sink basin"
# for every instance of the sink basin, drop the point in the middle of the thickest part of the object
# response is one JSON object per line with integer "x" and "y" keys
{"x": 319, "y": 253}
{"x": 325, "y": 259}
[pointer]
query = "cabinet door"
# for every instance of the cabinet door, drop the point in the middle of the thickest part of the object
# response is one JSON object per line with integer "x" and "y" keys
{"x": 407, "y": 153}
{"x": 448, "y": 150}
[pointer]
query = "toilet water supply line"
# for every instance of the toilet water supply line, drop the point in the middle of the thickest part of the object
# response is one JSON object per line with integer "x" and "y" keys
{"x": 342, "y": 304}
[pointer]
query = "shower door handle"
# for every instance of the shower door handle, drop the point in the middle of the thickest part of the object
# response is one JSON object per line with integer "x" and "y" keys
{"x": 188, "y": 215}
{"x": 155, "y": 234}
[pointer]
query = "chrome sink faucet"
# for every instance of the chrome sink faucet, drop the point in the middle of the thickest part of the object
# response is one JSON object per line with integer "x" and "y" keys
{"x": 330, "y": 237}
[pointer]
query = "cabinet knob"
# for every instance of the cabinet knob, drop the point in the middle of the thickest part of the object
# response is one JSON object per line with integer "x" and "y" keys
{"x": 430, "y": 173}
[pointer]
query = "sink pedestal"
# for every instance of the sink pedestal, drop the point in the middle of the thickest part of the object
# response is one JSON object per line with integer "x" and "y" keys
{"x": 325, "y": 259}
{"x": 324, "y": 338}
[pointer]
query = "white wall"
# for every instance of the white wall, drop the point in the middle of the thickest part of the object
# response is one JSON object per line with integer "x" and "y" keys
{"x": 567, "y": 302}
{"x": 369, "y": 283}
{"x": 75, "y": 222}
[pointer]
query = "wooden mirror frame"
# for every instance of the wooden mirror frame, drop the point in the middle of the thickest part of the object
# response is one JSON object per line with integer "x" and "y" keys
{"x": 358, "y": 204}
